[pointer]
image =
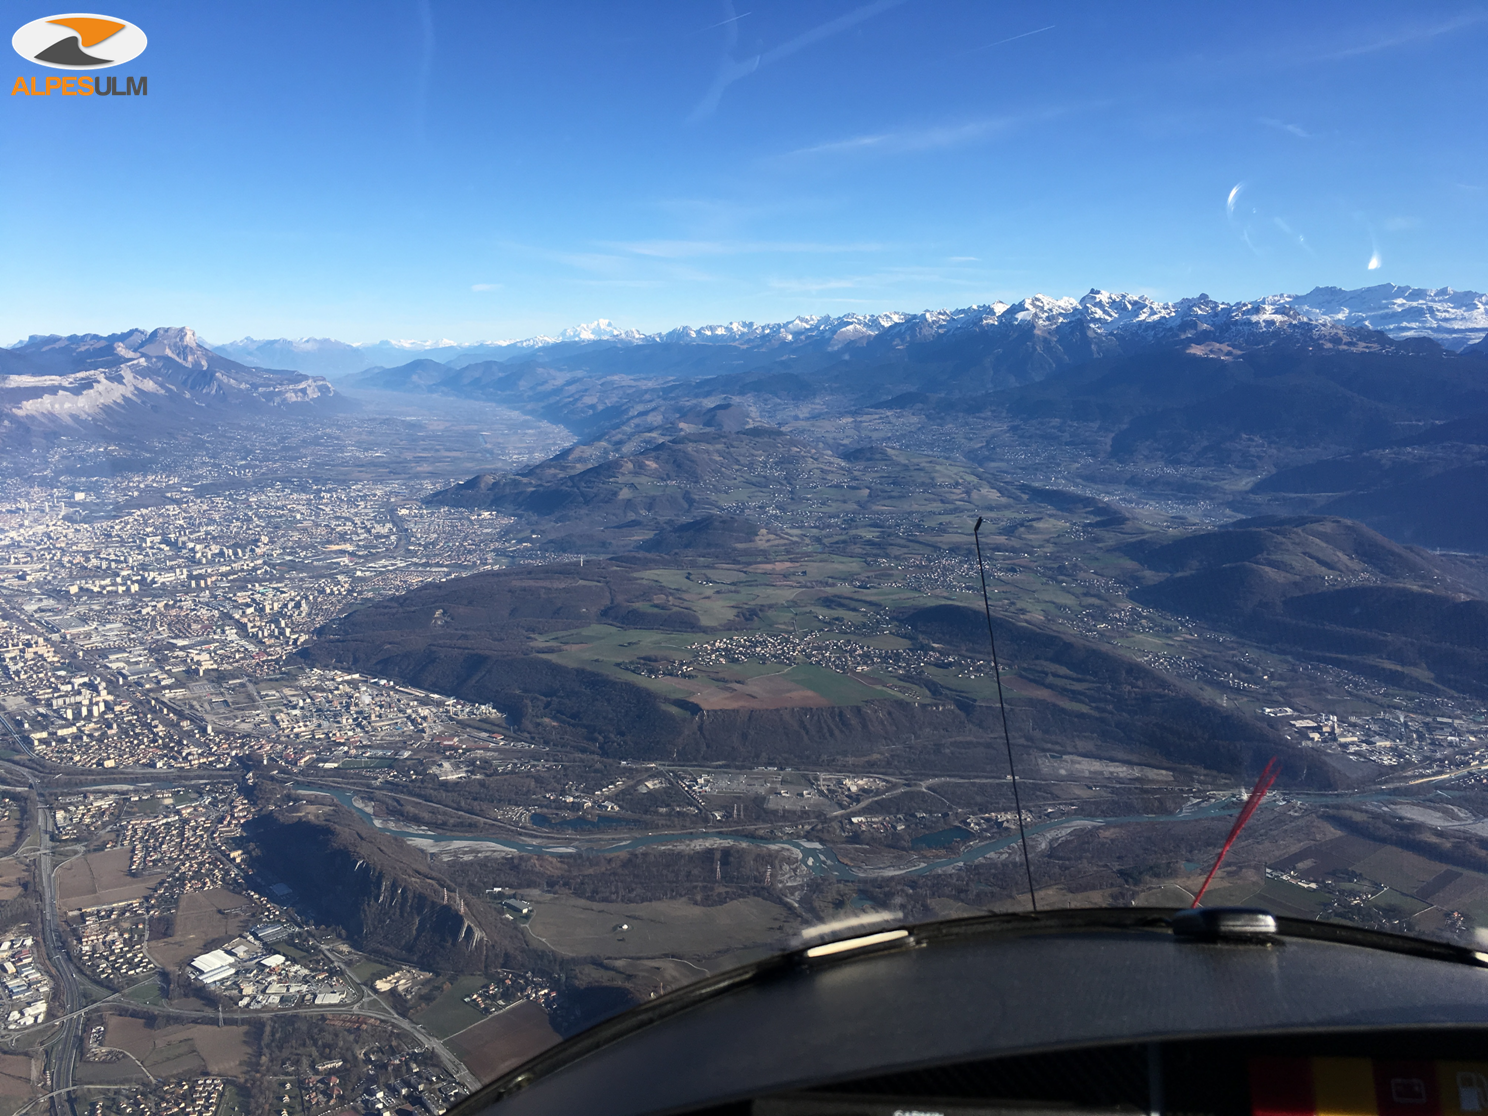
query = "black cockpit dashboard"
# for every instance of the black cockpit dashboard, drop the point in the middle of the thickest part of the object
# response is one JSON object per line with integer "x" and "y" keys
{"x": 1214, "y": 1011}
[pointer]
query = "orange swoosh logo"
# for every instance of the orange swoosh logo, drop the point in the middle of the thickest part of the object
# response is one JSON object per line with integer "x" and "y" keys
{"x": 90, "y": 31}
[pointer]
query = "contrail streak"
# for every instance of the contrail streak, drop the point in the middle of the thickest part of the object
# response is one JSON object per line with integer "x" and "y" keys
{"x": 730, "y": 71}
{"x": 721, "y": 23}
{"x": 999, "y": 42}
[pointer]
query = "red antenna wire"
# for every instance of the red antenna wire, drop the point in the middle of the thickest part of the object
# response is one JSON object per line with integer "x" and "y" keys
{"x": 1258, "y": 792}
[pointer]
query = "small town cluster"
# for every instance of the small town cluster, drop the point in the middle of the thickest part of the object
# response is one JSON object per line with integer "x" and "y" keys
{"x": 1429, "y": 745}
{"x": 510, "y": 987}
{"x": 199, "y": 1097}
{"x": 248, "y": 970}
{"x": 27, "y": 991}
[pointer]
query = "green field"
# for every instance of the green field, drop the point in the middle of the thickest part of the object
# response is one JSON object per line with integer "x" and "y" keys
{"x": 1279, "y": 897}
{"x": 837, "y": 688}
{"x": 787, "y": 598}
{"x": 368, "y": 971}
{"x": 449, "y": 1015}
{"x": 660, "y": 928}
{"x": 233, "y": 1103}
{"x": 1396, "y": 905}
{"x": 146, "y": 993}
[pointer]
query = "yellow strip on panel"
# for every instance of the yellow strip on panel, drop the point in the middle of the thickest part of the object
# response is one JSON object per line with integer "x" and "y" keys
{"x": 1344, "y": 1086}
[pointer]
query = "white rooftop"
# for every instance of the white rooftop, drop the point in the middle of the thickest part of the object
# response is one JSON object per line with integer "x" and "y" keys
{"x": 216, "y": 959}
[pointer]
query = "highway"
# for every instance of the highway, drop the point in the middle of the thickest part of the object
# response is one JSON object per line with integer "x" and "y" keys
{"x": 64, "y": 1048}
{"x": 68, "y": 1041}
{"x": 370, "y": 1007}
{"x": 20, "y": 741}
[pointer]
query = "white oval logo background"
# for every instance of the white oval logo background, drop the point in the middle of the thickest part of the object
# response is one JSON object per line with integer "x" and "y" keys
{"x": 85, "y": 42}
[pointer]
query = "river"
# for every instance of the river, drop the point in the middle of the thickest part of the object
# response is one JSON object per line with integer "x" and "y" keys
{"x": 815, "y": 857}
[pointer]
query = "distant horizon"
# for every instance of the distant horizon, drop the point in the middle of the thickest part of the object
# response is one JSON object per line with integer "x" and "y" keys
{"x": 415, "y": 344}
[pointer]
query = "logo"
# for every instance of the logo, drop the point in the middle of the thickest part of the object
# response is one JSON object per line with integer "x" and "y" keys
{"x": 79, "y": 41}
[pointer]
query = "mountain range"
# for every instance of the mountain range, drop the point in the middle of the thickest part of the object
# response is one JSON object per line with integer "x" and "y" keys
{"x": 135, "y": 381}
{"x": 680, "y": 526}
{"x": 1454, "y": 319}
{"x": 1227, "y": 411}
{"x": 819, "y": 368}
{"x": 1369, "y": 404}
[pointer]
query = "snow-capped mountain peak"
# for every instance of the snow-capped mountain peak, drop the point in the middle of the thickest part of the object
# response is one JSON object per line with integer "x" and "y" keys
{"x": 601, "y": 329}
{"x": 1116, "y": 310}
{"x": 1453, "y": 318}
{"x": 1041, "y": 310}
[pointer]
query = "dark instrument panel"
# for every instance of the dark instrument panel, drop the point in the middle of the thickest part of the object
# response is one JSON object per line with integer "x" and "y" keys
{"x": 1383, "y": 1073}
{"x": 1188, "y": 1013}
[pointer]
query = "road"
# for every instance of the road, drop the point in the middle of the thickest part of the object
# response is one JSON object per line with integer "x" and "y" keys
{"x": 371, "y": 1007}
{"x": 452, "y": 1065}
{"x": 1454, "y": 773}
{"x": 20, "y": 741}
{"x": 66, "y": 1046}
{"x": 60, "y": 1096}
{"x": 69, "y": 1037}
{"x": 68, "y": 1041}
{"x": 404, "y": 536}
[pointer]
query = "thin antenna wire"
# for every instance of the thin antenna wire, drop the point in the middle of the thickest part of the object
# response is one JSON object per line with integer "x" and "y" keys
{"x": 1258, "y": 792}
{"x": 1002, "y": 705}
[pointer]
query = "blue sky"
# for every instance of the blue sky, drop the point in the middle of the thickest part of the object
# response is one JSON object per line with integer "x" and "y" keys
{"x": 418, "y": 168}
